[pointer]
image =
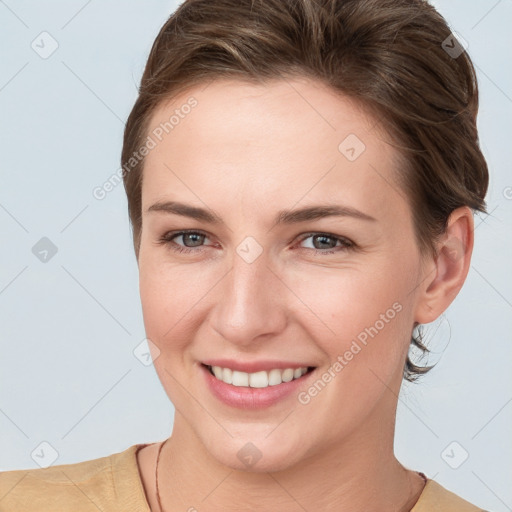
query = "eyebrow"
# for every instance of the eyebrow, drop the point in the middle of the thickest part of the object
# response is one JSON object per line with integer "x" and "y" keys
{"x": 305, "y": 214}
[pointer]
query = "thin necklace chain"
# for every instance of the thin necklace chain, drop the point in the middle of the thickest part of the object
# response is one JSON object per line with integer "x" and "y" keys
{"x": 156, "y": 476}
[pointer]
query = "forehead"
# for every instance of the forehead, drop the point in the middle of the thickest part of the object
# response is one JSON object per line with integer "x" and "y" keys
{"x": 279, "y": 111}
{"x": 287, "y": 141}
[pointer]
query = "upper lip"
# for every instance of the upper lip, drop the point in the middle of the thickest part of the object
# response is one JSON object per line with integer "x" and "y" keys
{"x": 254, "y": 366}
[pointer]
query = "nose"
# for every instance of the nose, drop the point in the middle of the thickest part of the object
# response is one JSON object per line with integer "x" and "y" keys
{"x": 252, "y": 303}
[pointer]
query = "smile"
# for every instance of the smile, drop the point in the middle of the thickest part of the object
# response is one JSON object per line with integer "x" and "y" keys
{"x": 261, "y": 379}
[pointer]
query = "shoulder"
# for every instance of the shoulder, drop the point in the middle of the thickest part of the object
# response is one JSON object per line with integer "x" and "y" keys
{"x": 91, "y": 485}
{"x": 436, "y": 498}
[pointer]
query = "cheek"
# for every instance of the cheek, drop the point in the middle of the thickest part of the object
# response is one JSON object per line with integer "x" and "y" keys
{"x": 362, "y": 315}
{"x": 163, "y": 298}
{"x": 370, "y": 316}
{"x": 167, "y": 308}
{"x": 171, "y": 298}
{"x": 367, "y": 303}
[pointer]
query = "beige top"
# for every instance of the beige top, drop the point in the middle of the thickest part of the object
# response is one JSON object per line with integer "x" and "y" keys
{"x": 113, "y": 484}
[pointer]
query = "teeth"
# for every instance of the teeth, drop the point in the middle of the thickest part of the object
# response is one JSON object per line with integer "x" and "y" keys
{"x": 287, "y": 375}
{"x": 258, "y": 380}
{"x": 274, "y": 377}
{"x": 240, "y": 378}
{"x": 261, "y": 379}
{"x": 227, "y": 375}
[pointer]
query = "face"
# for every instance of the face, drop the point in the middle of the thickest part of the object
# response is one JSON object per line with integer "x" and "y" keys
{"x": 299, "y": 262}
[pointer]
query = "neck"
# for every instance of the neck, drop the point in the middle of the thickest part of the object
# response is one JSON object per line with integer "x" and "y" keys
{"x": 359, "y": 473}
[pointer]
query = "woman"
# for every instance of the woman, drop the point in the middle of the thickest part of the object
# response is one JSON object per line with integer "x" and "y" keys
{"x": 301, "y": 181}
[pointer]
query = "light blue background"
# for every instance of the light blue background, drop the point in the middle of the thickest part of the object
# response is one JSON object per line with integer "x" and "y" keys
{"x": 68, "y": 327}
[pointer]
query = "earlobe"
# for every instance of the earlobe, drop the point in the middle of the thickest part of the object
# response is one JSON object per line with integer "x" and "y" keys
{"x": 443, "y": 282}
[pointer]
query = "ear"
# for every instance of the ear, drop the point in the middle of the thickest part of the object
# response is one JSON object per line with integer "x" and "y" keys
{"x": 444, "y": 276}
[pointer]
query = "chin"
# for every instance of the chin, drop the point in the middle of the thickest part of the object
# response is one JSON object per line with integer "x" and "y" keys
{"x": 259, "y": 455}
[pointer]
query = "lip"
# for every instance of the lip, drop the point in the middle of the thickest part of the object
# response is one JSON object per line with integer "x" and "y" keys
{"x": 254, "y": 366}
{"x": 249, "y": 398}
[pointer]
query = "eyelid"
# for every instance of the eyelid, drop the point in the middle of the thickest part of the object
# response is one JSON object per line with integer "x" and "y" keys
{"x": 168, "y": 237}
{"x": 341, "y": 238}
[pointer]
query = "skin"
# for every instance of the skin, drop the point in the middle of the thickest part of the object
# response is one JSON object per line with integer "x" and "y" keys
{"x": 246, "y": 152}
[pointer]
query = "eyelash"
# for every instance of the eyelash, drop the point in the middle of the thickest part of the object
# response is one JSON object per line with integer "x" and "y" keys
{"x": 167, "y": 239}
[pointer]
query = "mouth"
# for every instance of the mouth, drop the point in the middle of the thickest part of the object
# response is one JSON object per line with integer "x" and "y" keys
{"x": 260, "y": 379}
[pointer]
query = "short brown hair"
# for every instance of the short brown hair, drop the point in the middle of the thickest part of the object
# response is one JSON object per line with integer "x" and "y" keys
{"x": 392, "y": 56}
